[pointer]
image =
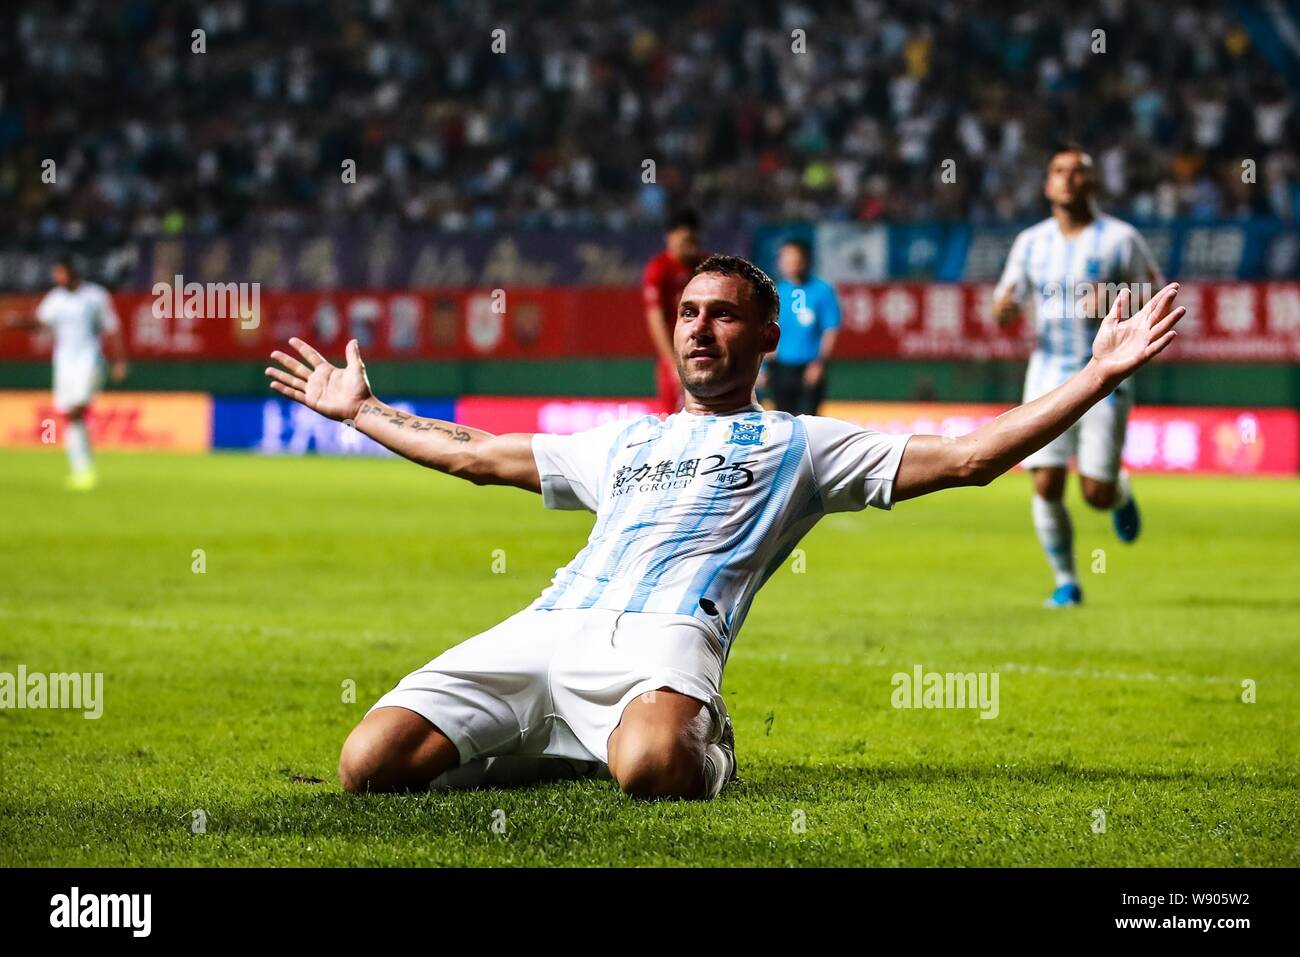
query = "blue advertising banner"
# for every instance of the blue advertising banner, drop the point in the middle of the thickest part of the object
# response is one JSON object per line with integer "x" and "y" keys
{"x": 276, "y": 426}
{"x": 1257, "y": 249}
{"x": 955, "y": 252}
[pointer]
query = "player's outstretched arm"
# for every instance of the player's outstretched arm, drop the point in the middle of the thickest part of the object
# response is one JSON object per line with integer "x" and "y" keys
{"x": 932, "y": 462}
{"x": 13, "y": 319}
{"x": 345, "y": 396}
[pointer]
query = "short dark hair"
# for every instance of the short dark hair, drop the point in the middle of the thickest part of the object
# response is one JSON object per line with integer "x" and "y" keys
{"x": 761, "y": 287}
{"x": 69, "y": 262}
{"x": 684, "y": 218}
{"x": 1067, "y": 146}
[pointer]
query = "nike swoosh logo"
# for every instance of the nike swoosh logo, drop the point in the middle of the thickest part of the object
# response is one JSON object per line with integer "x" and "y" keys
{"x": 632, "y": 445}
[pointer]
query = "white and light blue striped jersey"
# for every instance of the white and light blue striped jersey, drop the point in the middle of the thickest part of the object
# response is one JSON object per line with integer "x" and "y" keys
{"x": 695, "y": 512}
{"x": 1060, "y": 276}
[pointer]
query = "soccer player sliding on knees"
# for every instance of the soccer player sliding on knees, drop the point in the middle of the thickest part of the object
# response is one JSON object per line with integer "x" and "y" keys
{"x": 616, "y": 668}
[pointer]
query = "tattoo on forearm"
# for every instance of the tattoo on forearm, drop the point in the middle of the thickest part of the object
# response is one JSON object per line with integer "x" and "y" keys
{"x": 400, "y": 420}
{"x": 456, "y": 433}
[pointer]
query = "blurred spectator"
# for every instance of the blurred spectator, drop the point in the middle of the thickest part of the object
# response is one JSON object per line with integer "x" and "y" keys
{"x": 151, "y": 138}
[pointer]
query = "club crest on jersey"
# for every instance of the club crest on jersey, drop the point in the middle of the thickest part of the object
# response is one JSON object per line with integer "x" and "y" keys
{"x": 746, "y": 433}
{"x": 1093, "y": 267}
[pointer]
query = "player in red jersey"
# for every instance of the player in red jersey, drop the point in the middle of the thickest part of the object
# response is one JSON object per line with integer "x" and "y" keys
{"x": 662, "y": 283}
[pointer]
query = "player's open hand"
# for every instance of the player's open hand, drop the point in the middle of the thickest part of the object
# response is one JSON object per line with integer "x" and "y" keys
{"x": 320, "y": 385}
{"x": 1122, "y": 345}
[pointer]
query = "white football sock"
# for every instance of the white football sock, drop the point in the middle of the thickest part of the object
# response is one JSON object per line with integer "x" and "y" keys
{"x": 718, "y": 765}
{"x": 1056, "y": 535}
{"x": 76, "y": 441}
{"x": 1123, "y": 490}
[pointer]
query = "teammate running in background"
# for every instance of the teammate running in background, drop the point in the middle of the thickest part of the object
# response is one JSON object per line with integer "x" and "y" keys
{"x": 810, "y": 322}
{"x": 1064, "y": 265}
{"x": 81, "y": 314}
{"x": 662, "y": 283}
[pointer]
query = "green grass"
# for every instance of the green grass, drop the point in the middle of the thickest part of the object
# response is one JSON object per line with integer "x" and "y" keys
{"x": 223, "y": 690}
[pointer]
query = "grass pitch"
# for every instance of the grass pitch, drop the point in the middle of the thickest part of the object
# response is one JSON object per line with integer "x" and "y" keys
{"x": 223, "y": 691}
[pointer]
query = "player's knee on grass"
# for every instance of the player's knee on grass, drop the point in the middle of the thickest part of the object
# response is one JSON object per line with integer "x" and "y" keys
{"x": 658, "y": 749}
{"x": 1049, "y": 483}
{"x": 1098, "y": 494}
{"x": 650, "y": 767}
{"x": 393, "y": 749}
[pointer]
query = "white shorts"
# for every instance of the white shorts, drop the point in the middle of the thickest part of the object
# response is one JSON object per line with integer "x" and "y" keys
{"x": 76, "y": 381}
{"x": 1096, "y": 441}
{"x": 555, "y": 683}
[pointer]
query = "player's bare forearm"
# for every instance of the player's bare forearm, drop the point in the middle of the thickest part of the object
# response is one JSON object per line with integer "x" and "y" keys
{"x": 816, "y": 369}
{"x": 654, "y": 318}
{"x": 115, "y": 346}
{"x": 828, "y": 345}
{"x": 932, "y": 462}
{"x": 344, "y": 394}
{"x": 1006, "y": 308}
{"x": 16, "y": 320}
{"x": 115, "y": 349}
{"x": 471, "y": 454}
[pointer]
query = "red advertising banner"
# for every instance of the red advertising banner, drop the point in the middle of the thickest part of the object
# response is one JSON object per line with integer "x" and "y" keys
{"x": 246, "y": 323}
{"x": 1189, "y": 439}
{"x": 1226, "y": 322}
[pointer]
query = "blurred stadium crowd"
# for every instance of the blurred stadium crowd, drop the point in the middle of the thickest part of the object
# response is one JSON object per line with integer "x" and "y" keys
{"x": 152, "y": 139}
